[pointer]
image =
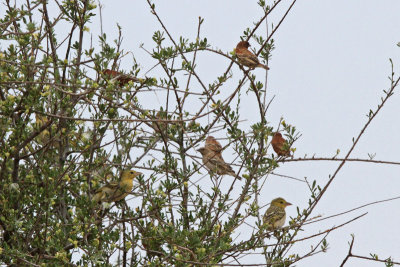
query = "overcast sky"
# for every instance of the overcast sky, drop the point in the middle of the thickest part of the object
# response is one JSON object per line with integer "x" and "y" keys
{"x": 329, "y": 68}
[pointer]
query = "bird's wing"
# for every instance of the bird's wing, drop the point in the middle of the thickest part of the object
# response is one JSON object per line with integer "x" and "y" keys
{"x": 248, "y": 56}
{"x": 215, "y": 161}
{"x": 213, "y": 154}
{"x": 214, "y": 158}
{"x": 273, "y": 215}
{"x": 108, "y": 187}
{"x": 281, "y": 146}
{"x": 98, "y": 196}
{"x": 106, "y": 192}
{"x": 218, "y": 165}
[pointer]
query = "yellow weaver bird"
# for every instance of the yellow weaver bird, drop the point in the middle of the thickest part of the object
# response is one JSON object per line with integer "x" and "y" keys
{"x": 275, "y": 215}
{"x": 116, "y": 191}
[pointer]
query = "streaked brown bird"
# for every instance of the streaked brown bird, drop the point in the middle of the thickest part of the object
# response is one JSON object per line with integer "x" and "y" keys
{"x": 116, "y": 191}
{"x": 280, "y": 145}
{"x": 246, "y": 57}
{"x": 212, "y": 158}
{"x": 120, "y": 77}
{"x": 213, "y": 145}
{"x": 275, "y": 215}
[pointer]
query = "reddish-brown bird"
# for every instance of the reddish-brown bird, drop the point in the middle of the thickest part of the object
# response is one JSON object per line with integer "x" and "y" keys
{"x": 212, "y": 158}
{"x": 280, "y": 145}
{"x": 120, "y": 77}
{"x": 246, "y": 57}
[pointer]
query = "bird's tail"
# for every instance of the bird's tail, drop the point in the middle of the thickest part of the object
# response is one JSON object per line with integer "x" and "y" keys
{"x": 287, "y": 153}
{"x": 231, "y": 172}
{"x": 263, "y": 66}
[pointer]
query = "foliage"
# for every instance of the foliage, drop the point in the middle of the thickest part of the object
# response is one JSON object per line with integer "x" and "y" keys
{"x": 67, "y": 128}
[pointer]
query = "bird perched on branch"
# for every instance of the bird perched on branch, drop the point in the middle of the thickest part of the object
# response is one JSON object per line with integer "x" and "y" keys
{"x": 246, "y": 57}
{"x": 275, "y": 215}
{"x": 116, "y": 191}
{"x": 212, "y": 158}
{"x": 120, "y": 77}
{"x": 280, "y": 145}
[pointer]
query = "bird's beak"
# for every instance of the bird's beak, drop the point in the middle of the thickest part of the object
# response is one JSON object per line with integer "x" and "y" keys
{"x": 139, "y": 173}
{"x": 288, "y": 204}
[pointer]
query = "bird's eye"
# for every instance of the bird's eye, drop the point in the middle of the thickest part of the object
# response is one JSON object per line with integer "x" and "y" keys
{"x": 132, "y": 172}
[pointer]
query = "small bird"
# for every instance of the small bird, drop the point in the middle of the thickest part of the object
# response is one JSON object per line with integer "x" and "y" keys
{"x": 120, "y": 77}
{"x": 116, "y": 191}
{"x": 212, "y": 158}
{"x": 246, "y": 57}
{"x": 275, "y": 215}
{"x": 280, "y": 145}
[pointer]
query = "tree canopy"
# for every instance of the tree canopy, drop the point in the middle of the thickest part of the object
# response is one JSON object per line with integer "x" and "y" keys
{"x": 72, "y": 120}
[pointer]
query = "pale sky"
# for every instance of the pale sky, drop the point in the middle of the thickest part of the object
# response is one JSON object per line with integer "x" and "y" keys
{"x": 329, "y": 68}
